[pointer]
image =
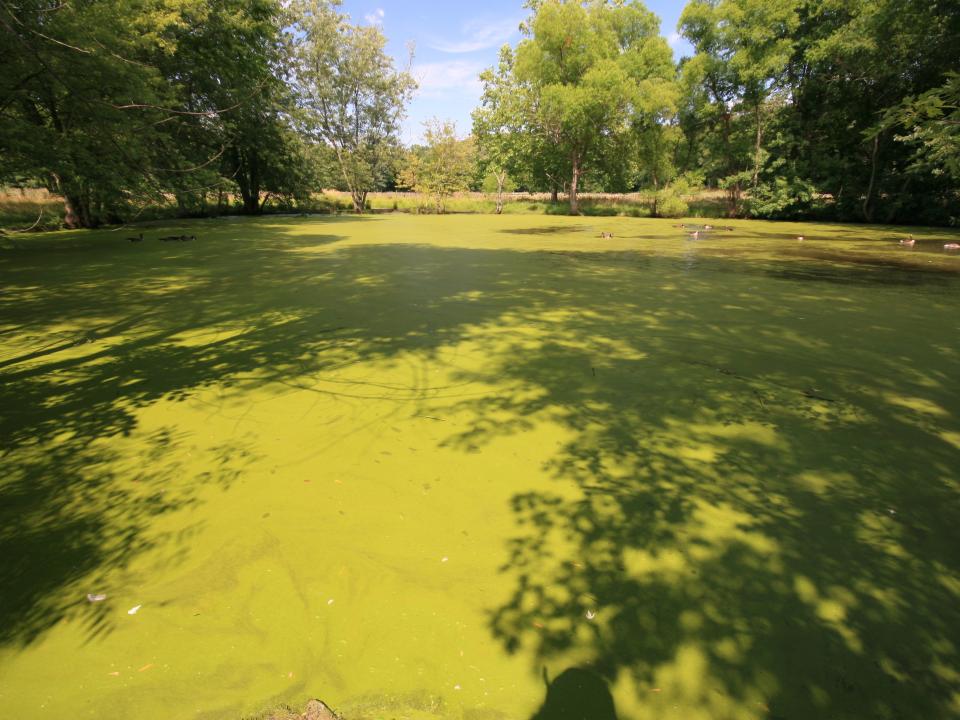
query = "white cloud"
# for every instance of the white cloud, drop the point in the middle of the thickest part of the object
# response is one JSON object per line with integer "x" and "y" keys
{"x": 674, "y": 38}
{"x": 479, "y": 35}
{"x": 455, "y": 76}
{"x": 375, "y": 17}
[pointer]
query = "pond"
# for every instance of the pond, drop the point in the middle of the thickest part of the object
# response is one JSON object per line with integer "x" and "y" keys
{"x": 425, "y": 466}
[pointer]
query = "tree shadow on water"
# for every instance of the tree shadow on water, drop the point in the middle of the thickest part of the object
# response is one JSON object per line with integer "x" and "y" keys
{"x": 756, "y": 509}
{"x": 97, "y": 329}
{"x": 749, "y": 521}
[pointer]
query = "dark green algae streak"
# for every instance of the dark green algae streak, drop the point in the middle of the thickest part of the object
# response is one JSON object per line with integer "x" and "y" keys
{"x": 480, "y": 467}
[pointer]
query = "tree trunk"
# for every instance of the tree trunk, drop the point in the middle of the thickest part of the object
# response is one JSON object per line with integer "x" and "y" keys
{"x": 553, "y": 195}
{"x": 756, "y": 148}
{"x": 359, "y": 198}
{"x": 574, "y": 181}
{"x": 252, "y": 205}
{"x": 867, "y": 208}
{"x": 71, "y": 218}
{"x": 77, "y": 210}
{"x": 734, "y": 193}
{"x": 654, "y": 210}
{"x": 501, "y": 178}
{"x": 248, "y": 180}
{"x": 74, "y": 214}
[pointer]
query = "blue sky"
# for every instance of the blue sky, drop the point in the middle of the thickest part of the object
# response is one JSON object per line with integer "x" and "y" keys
{"x": 455, "y": 41}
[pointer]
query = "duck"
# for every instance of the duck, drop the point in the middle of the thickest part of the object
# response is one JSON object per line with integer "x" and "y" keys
{"x": 708, "y": 227}
{"x": 952, "y": 246}
{"x": 908, "y": 240}
{"x": 695, "y": 234}
{"x": 606, "y": 234}
{"x": 728, "y": 227}
{"x": 138, "y": 238}
{"x": 801, "y": 238}
{"x": 186, "y": 238}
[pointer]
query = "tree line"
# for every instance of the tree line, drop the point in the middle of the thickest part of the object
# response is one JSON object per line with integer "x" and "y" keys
{"x": 828, "y": 109}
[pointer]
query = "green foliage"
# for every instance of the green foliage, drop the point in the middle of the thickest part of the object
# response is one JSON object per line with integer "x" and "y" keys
{"x": 503, "y": 145}
{"x": 114, "y": 104}
{"x": 782, "y": 197}
{"x": 930, "y": 126}
{"x": 353, "y": 97}
{"x": 670, "y": 202}
{"x": 494, "y": 183}
{"x": 589, "y": 69}
{"x": 845, "y": 109}
{"x": 824, "y": 106}
{"x": 441, "y": 168}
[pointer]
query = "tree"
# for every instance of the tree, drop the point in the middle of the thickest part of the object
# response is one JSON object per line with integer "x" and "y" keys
{"x": 113, "y": 104}
{"x": 82, "y": 98}
{"x": 585, "y": 65}
{"x": 443, "y": 166}
{"x": 239, "y": 58}
{"x": 498, "y": 126}
{"x": 353, "y": 95}
{"x": 803, "y": 105}
{"x": 742, "y": 48}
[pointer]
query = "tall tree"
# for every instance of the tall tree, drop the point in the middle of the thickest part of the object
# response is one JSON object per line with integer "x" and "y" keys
{"x": 353, "y": 95}
{"x": 586, "y": 64}
{"x": 237, "y": 58}
{"x": 854, "y": 61}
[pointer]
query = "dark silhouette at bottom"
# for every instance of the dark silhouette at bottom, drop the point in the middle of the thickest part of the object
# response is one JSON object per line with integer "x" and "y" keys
{"x": 576, "y": 694}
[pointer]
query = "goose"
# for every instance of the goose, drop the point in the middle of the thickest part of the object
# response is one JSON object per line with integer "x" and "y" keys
{"x": 138, "y": 238}
{"x": 606, "y": 235}
{"x": 908, "y": 240}
{"x": 952, "y": 246}
{"x": 186, "y": 238}
{"x": 708, "y": 227}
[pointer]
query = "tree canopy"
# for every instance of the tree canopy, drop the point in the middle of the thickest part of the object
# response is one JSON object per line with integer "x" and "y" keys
{"x": 832, "y": 109}
{"x": 352, "y": 96}
{"x": 110, "y": 102}
{"x": 588, "y": 69}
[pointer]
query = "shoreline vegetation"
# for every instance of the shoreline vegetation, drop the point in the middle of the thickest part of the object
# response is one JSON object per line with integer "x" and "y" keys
{"x": 799, "y": 110}
{"x": 28, "y": 210}
{"x": 37, "y": 210}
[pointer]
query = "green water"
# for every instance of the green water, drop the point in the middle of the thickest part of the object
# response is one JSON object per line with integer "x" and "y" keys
{"x": 414, "y": 465}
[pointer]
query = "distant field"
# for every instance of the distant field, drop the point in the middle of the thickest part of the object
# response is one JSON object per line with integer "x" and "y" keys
{"x": 31, "y": 209}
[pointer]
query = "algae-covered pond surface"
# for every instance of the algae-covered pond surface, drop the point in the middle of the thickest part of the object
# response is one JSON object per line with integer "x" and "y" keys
{"x": 413, "y": 466}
